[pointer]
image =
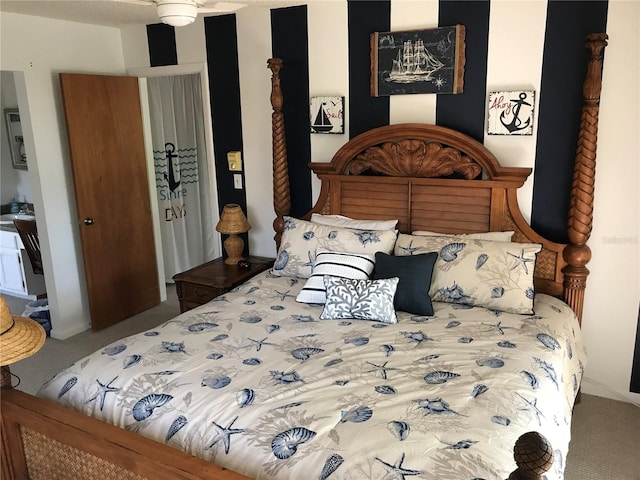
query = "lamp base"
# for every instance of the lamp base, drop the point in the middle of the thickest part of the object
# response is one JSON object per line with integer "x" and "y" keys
{"x": 233, "y": 245}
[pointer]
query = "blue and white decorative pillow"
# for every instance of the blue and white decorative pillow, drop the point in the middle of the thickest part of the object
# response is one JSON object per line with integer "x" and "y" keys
{"x": 494, "y": 275}
{"x": 360, "y": 299}
{"x": 301, "y": 239}
{"x": 335, "y": 264}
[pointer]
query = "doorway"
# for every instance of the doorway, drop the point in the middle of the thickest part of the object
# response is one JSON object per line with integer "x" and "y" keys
{"x": 180, "y": 133}
{"x": 17, "y": 277}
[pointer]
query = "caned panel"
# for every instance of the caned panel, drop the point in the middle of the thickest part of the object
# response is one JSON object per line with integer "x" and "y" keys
{"x": 48, "y": 459}
{"x": 450, "y": 209}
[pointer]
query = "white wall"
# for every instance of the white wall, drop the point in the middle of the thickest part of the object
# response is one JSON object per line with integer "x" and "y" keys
{"x": 611, "y": 306}
{"x": 40, "y": 49}
{"x": 613, "y": 291}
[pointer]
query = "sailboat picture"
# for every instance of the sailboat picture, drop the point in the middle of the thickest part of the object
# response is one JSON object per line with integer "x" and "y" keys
{"x": 418, "y": 61}
{"x": 326, "y": 114}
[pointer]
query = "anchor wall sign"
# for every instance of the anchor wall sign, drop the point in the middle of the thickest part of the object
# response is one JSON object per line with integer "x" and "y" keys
{"x": 511, "y": 113}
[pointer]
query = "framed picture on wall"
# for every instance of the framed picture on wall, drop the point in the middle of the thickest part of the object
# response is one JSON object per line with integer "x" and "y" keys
{"x": 511, "y": 113}
{"x": 418, "y": 61}
{"x": 16, "y": 140}
{"x": 326, "y": 114}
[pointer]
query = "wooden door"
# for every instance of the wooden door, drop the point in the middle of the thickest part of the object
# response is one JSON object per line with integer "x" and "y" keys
{"x": 104, "y": 126}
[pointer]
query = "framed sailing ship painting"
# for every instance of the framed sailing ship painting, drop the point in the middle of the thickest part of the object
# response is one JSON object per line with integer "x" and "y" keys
{"x": 327, "y": 114}
{"x": 418, "y": 61}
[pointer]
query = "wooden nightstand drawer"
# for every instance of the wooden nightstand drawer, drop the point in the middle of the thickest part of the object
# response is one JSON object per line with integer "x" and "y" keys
{"x": 199, "y": 294}
{"x": 212, "y": 279}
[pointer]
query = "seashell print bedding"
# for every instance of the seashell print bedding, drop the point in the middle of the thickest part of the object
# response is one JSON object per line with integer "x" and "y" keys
{"x": 256, "y": 382}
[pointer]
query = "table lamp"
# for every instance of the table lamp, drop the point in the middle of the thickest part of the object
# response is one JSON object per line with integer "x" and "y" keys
{"x": 232, "y": 222}
{"x": 20, "y": 337}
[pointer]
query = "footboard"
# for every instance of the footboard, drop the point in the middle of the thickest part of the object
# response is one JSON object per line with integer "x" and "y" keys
{"x": 44, "y": 441}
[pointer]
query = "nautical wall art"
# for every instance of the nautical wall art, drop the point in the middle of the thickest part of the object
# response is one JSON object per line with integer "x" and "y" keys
{"x": 327, "y": 114}
{"x": 16, "y": 140}
{"x": 418, "y": 61}
{"x": 511, "y": 113}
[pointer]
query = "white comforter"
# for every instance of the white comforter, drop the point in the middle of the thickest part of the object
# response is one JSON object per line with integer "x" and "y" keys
{"x": 254, "y": 381}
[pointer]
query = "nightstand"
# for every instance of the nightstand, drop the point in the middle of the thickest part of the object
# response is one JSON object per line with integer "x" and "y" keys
{"x": 209, "y": 280}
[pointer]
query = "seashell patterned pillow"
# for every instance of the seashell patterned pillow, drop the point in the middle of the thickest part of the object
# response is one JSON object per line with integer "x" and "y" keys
{"x": 301, "y": 239}
{"x": 483, "y": 273}
{"x": 493, "y": 236}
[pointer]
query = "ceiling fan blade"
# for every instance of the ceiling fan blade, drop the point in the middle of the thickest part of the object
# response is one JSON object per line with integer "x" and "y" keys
{"x": 138, "y": 2}
{"x": 220, "y": 7}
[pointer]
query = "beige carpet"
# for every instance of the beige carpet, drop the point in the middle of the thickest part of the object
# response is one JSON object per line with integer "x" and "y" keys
{"x": 605, "y": 441}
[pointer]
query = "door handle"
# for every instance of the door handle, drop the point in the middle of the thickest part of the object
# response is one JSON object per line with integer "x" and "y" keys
{"x": 89, "y": 221}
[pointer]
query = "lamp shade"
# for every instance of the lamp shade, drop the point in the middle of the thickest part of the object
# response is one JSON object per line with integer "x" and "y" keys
{"x": 232, "y": 220}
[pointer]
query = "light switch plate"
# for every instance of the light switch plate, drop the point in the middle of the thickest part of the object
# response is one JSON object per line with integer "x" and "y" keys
{"x": 237, "y": 181}
{"x": 235, "y": 161}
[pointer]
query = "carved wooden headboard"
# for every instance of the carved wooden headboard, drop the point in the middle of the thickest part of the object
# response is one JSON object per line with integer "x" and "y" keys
{"x": 435, "y": 178}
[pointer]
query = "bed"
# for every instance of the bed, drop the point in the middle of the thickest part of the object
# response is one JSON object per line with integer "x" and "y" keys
{"x": 265, "y": 382}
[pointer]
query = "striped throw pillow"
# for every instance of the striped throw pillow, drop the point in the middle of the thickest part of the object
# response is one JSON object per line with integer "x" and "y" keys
{"x": 336, "y": 264}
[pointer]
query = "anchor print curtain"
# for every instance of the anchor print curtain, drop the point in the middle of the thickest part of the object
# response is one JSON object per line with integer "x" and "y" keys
{"x": 182, "y": 173}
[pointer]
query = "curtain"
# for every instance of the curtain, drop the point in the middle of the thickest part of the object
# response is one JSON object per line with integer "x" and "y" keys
{"x": 182, "y": 172}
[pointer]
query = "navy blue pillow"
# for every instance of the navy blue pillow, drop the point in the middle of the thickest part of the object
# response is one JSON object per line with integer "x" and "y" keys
{"x": 414, "y": 272}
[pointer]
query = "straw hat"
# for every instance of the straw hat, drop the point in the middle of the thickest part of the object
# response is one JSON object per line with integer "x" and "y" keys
{"x": 20, "y": 337}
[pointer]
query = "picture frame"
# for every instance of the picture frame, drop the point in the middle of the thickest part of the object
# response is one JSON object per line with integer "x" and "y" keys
{"x": 15, "y": 137}
{"x": 510, "y": 113}
{"x": 326, "y": 114}
{"x": 418, "y": 61}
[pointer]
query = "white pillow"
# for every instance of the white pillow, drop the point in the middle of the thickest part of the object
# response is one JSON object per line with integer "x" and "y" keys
{"x": 494, "y": 275}
{"x": 301, "y": 239}
{"x": 335, "y": 264}
{"x": 360, "y": 299}
{"x": 493, "y": 236}
{"x": 346, "y": 222}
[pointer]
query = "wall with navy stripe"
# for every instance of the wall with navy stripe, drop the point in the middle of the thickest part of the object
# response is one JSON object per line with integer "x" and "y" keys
{"x": 510, "y": 45}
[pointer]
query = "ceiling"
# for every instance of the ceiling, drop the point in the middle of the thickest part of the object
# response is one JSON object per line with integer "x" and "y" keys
{"x": 113, "y": 13}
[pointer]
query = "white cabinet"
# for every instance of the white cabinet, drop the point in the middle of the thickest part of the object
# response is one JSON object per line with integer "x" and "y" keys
{"x": 16, "y": 275}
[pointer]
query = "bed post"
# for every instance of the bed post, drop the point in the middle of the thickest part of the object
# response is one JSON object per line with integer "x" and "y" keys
{"x": 577, "y": 253}
{"x": 281, "y": 194}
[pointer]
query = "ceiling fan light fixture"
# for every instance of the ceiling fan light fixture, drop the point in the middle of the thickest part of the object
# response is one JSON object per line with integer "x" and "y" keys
{"x": 177, "y": 14}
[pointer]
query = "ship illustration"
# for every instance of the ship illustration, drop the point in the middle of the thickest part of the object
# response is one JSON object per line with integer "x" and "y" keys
{"x": 414, "y": 63}
{"x": 322, "y": 124}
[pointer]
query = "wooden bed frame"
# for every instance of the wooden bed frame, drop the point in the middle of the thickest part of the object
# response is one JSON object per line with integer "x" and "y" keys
{"x": 42, "y": 440}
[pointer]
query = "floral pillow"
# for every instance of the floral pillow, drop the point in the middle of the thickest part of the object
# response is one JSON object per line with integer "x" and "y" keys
{"x": 360, "y": 299}
{"x": 301, "y": 239}
{"x": 494, "y": 275}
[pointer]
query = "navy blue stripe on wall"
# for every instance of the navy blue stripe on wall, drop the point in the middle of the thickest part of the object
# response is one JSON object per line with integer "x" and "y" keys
{"x": 365, "y": 111}
{"x": 162, "y": 45}
{"x": 563, "y": 68}
{"x": 635, "y": 370}
{"x": 465, "y": 111}
{"x": 289, "y": 41}
{"x": 224, "y": 92}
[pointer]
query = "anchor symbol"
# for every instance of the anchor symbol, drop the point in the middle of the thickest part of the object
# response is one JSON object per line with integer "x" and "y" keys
{"x": 173, "y": 184}
{"x": 516, "y": 123}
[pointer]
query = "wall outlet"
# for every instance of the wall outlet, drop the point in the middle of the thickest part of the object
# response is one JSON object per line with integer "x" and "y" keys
{"x": 237, "y": 181}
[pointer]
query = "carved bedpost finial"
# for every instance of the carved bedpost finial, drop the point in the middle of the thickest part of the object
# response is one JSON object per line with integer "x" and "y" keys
{"x": 533, "y": 455}
{"x": 577, "y": 254}
{"x": 281, "y": 195}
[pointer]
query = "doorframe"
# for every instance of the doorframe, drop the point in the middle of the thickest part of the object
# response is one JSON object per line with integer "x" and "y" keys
{"x": 168, "y": 71}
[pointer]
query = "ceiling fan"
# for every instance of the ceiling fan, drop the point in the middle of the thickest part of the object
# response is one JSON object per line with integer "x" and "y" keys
{"x": 178, "y": 13}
